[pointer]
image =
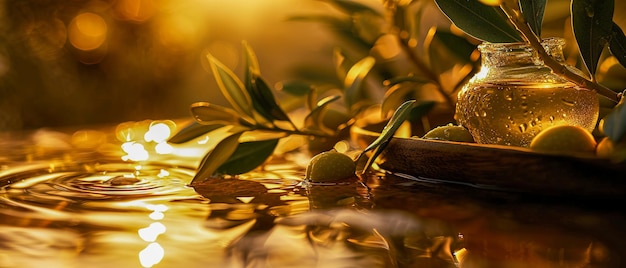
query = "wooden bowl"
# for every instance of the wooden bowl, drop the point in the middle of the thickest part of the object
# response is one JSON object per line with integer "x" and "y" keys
{"x": 498, "y": 167}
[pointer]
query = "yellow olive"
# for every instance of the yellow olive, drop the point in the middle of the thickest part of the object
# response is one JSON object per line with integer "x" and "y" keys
{"x": 564, "y": 138}
{"x": 616, "y": 151}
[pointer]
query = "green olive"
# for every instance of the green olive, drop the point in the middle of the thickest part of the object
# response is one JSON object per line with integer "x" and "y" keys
{"x": 449, "y": 132}
{"x": 330, "y": 166}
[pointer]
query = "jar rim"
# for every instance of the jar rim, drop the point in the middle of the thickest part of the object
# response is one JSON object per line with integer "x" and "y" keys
{"x": 546, "y": 42}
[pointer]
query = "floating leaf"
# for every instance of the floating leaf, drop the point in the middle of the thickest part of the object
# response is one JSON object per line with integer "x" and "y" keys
{"x": 592, "y": 21}
{"x": 613, "y": 125}
{"x": 354, "y": 79}
{"x": 210, "y": 114}
{"x": 480, "y": 21}
{"x": 248, "y": 156}
{"x": 617, "y": 46}
{"x": 378, "y": 145}
{"x": 216, "y": 157}
{"x": 533, "y": 11}
{"x": 192, "y": 131}
{"x": 232, "y": 88}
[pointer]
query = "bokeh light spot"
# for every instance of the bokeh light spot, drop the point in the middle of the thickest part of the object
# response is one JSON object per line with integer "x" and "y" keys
{"x": 134, "y": 10}
{"x": 87, "y": 31}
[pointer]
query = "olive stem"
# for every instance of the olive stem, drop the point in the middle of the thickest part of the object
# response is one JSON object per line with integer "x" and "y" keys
{"x": 527, "y": 33}
{"x": 292, "y": 132}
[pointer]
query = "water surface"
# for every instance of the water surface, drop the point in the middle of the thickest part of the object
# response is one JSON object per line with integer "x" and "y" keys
{"x": 64, "y": 203}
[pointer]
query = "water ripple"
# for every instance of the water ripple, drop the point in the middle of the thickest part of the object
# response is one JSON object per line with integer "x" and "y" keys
{"x": 78, "y": 183}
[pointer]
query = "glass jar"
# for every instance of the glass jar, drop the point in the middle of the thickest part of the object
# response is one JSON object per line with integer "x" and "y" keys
{"x": 514, "y": 95}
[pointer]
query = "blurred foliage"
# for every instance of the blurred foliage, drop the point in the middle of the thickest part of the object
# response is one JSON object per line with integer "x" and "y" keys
{"x": 45, "y": 81}
{"x": 397, "y": 56}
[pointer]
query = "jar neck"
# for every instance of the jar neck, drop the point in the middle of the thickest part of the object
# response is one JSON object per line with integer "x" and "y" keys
{"x": 519, "y": 54}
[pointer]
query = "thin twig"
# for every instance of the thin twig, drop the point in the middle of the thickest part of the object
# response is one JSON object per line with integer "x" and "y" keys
{"x": 527, "y": 33}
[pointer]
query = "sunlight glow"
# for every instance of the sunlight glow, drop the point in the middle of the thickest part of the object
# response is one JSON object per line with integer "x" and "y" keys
{"x": 177, "y": 31}
{"x": 151, "y": 255}
{"x": 154, "y": 252}
{"x": 163, "y": 173}
{"x": 163, "y": 148}
{"x": 204, "y": 140}
{"x": 145, "y": 137}
{"x": 135, "y": 10}
{"x": 158, "y": 133}
{"x": 491, "y": 2}
{"x": 135, "y": 151}
{"x": 150, "y": 233}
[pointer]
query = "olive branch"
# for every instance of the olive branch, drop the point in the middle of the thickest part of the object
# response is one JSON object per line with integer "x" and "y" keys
{"x": 521, "y": 21}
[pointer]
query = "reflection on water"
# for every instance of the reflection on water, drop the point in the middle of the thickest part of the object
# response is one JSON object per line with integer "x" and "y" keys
{"x": 63, "y": 205}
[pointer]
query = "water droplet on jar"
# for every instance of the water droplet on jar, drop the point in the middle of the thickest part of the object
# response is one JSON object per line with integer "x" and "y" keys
{"x": 551, "y": 118}
{"x": 508, "y": 97}
{"x": 523, "y": 127}
{"x": 568, "y": 102}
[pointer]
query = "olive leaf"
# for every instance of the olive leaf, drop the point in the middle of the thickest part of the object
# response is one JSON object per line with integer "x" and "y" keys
{"x": 399, "y": 93}
{"x": 314, "y": 120}
{"x": 216, "y": 157}
{"x": 533, "y": 11}
{"x": 231, "y": 87}
{"x": 342, "y": 64}
{"x": 265, "y": 101}
{"x": 354, "y": 80}
{"x": 613, "y": 125}
{"x": 378, "y": 145}
{"x": 456, "y": 45}
{"x": 296, "y": 88}
{"x": 617, "y": 45}
{"x": 251, "y": 61}
{"x": 592, "y": 22}
{"x": 248, "y": 156}
{"x": 480, "y": 21}
{"x": 211, "y": 114}
{"x": 192, "y": 131}
{"x": 421, "y": 109}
